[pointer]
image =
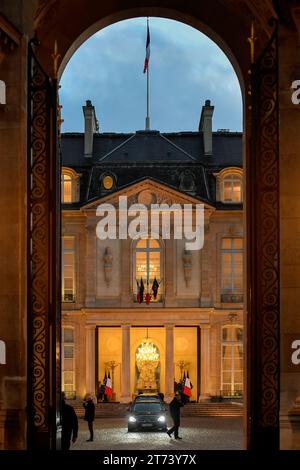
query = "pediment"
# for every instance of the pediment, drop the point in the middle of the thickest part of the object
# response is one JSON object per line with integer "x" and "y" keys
{"x": 146, "y": 192}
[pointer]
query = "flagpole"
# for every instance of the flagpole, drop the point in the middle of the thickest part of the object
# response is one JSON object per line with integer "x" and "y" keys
{"x": 148, "y": 117}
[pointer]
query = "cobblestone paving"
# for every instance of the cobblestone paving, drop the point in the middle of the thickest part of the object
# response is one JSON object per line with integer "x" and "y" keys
{"x": 197, "y": 434}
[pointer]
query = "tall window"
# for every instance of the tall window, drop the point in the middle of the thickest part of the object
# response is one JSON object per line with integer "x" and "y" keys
{"x": 68, "y": 269}
{"x": 66, "y": 188}
{"x": 232, "y": 270}
{"x": 147, "y": 271}
{"x": 232, "y": 188}
{"x": 68, "y": 363}
{"x": 232, "y": 361}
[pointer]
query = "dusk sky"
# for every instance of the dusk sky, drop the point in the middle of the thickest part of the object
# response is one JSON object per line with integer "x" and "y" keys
{"x": 186, "y": 68}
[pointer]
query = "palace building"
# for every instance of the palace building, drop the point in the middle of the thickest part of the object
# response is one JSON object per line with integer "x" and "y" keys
{"x": 149, "y": 310}
{"x": 193, "y": 321}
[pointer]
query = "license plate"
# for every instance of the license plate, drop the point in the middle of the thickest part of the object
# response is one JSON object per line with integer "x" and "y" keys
{"x": 146, "y": 424}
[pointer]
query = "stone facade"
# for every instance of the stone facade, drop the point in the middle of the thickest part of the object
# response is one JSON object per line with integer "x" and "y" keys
{"x": 187, "y": 321}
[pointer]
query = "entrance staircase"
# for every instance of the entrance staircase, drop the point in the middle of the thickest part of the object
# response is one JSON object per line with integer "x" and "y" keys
{"x": 203, "y": 409}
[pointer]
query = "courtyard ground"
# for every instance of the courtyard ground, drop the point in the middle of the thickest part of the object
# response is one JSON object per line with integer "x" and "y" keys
{"x": 197, "y": 434}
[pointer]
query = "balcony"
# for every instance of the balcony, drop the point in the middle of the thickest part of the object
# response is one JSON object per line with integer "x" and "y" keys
{"x": 230, "y": 298}
{"x": 68, "y": 298}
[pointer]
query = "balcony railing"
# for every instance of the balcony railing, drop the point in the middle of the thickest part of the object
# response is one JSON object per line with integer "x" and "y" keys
{"x": 71, "y": 395}
{"x": 230, "y": 298}
{"x": 68, "y": 298}
{"x": 159, "y": 298}
{"x": 231, "y": 393}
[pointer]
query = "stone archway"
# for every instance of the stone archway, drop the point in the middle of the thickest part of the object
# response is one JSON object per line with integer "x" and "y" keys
{"x": 262, "y": 202}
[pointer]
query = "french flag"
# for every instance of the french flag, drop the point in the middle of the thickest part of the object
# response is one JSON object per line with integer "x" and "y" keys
{"x": 147, "y": 58}
{"x": 108, "y": 386}
{"x": 187, "y": 389}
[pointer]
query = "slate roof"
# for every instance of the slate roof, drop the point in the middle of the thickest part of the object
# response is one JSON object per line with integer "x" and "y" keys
{"x": 174, "y": 159}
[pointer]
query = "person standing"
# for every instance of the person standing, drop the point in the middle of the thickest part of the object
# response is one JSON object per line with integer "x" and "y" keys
{"x": 89, "y": 415}
{"x": 69, "y": 424}
{"x": 175, "y": 406}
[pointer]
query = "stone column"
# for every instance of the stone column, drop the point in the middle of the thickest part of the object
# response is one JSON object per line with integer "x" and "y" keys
{"x": 169, "y": 363}
{"x": 205, "y": 362}
{"x": 125, "y": 375}
{"x": 170, "y": 256}
{"x": 80, "y": 357}
{"x": 206, "y": 261}
{"x": 90, "y": 359}
{"x": 126, "y": 267}
{"x": 90, "y": 266}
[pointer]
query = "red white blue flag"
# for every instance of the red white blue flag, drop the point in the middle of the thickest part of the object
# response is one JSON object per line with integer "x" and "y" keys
{"x": 187, "y": 387}
{"x": 147, "y": 58}
{"x": 108, "y": 386}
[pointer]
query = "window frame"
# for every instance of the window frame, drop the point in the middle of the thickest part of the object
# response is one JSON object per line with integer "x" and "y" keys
{"x": 159, "y": 249}
{"x": 221, "y": 176}
{"x": 232, "y": 178}
{"x": 71, "y": 394}
{"x": 75, "y": 185}
{"x": 233, "y": 292}
{"x": 232, "y": 343}
{"x": 73, "y": 251}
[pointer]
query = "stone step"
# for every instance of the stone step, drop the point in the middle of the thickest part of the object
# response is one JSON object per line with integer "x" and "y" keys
{"x": 110, "y": 410}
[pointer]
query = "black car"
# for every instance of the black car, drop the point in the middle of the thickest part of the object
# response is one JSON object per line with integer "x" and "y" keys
{"x": 148, "y": 414}
{"x": 148, "y": 397}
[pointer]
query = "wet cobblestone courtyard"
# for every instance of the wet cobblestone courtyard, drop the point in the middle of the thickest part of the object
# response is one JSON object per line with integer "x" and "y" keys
{"x": 197, "y": 434}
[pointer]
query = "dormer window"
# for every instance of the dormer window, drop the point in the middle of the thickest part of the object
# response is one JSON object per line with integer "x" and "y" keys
{"x": 229, "y": 185}
{"x": 232, "y": 189}
{"x": 69, "y": 186}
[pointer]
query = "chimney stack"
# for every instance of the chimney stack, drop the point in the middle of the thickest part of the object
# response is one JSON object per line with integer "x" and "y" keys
{"x": 205, "y": 126}
{"x": 91, "y": 126}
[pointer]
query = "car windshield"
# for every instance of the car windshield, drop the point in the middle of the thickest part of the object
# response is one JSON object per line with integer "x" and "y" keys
{"x": 154, "y": 398}
{"x": 147, "y": 407}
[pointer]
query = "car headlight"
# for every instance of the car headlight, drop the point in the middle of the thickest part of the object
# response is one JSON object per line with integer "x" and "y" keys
{"x": 132, "y": 419}
{"x": 161, "y": 419}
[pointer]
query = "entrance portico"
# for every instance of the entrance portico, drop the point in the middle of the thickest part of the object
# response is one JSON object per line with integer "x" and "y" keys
{"x": 115, "y": 335}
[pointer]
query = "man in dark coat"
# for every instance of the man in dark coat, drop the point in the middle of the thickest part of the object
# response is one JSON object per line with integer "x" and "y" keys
{"x": 69, "y": 424}
{"x": 89, "y": 415}
{"x": 175, "y": 406}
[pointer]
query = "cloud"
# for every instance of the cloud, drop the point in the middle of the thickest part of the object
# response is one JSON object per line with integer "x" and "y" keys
{"x": 186, "y": 68}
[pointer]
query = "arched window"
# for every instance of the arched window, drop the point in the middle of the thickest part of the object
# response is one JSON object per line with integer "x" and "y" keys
{"x": 68, "y": 363}
{"x": 229, "y": 185}
{"x": 2, "y": 92}
{"x": 232, "y": 189}
{"x": 147, "y": 271}
{"x": 69, "y": 186}
{"x": 232, "y": 361}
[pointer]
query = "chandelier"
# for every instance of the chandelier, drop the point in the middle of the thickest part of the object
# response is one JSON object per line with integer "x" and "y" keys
{"x": 147, "y": 352}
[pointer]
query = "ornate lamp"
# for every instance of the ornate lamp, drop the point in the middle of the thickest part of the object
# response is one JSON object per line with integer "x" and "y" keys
{"x": 183, "y": 365}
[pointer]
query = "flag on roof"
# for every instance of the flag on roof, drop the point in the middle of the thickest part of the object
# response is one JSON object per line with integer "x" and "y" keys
{"x": 147, "y": 58}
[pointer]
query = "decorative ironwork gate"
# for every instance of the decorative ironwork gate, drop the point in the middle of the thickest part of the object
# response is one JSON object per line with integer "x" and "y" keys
{"x": 43, "y": 259}
{"x": 263, "y": 252}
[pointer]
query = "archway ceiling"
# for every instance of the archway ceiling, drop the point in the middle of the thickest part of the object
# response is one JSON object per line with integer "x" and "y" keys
{"x": 66, "y": 21}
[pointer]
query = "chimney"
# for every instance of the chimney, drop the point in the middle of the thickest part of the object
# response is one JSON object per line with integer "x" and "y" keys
{"x": 91, "y": 126}
{"x": 205, "y": 126}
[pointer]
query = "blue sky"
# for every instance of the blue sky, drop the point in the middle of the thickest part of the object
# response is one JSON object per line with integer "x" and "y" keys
{"x": 186, "y": 68}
